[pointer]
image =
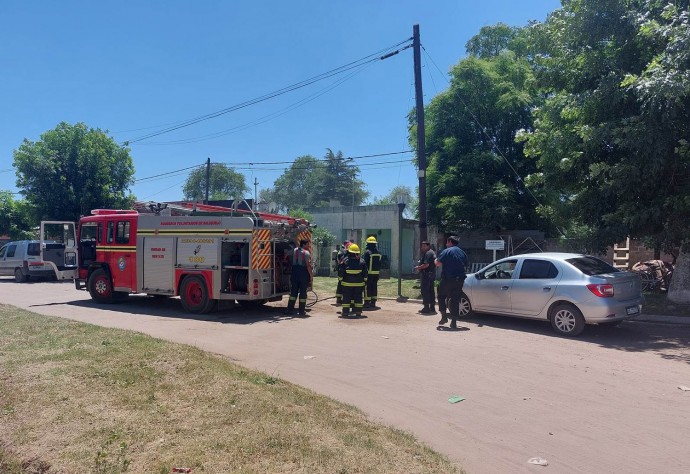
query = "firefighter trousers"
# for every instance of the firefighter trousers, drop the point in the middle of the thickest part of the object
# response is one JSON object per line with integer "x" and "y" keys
{"x": 371, "y": 293}
{"x": 299, "y": 280}
{"x": 352, "y": 300}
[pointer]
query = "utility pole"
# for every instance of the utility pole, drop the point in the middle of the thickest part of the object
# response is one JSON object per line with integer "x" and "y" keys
{"x": 208, "y": 178}
{"x": 256, "y": 182}
{"x": 421, "y": 146}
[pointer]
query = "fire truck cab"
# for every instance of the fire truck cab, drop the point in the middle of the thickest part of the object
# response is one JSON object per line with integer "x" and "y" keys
{"x": 203, "y": 257}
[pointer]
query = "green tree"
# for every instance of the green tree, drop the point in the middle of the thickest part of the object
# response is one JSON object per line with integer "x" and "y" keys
{"x": 224, "y": 183}
{"x": 71, "y": 170}
{"x": 310, "y": 182}
{"x": 475, "y": 170}
{"x": 14, "y": 217}
{"x": 608, "y": 139}
{"x": 401, "y": 192}
{"x": 491, "y": 40}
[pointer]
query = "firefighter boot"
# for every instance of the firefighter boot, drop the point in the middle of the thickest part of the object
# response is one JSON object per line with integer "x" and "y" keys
{"x": 302, "y": 311}
{"x": 290, "y": 307}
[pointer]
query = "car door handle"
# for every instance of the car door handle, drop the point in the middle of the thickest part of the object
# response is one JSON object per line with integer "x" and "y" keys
{"x": 505, "y": 288}
{"x": 547, "y": 288}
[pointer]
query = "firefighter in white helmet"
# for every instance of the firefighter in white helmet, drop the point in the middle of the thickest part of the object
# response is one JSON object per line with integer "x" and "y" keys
{"x": 372, "y": 259}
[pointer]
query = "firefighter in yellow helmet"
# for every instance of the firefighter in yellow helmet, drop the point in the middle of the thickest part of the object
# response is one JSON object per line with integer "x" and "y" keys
{"x": 372, "y": 259}
{"x": 354, "y": 276}
{"x": 340, "y": 258}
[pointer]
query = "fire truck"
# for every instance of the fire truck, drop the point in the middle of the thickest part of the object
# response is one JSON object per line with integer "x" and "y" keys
{"x": 209, "y": 255}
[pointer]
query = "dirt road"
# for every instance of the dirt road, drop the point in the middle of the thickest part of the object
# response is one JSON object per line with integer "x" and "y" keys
{"x": 607, "y": 402}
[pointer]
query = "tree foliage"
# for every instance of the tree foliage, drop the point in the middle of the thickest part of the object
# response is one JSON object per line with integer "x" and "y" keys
{"x": 395, "y": 195}
{"x": 611, "y": 137}
{"x": 475, "y": 164}
{"x": 14, "y": 218}
{"x": 72, "y": 170}
{"x": 310, "y": 182}
{"x": 224, "y": 183}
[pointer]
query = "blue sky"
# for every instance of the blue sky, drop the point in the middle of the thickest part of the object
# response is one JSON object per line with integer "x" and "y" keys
{"x": 135, "y": 67}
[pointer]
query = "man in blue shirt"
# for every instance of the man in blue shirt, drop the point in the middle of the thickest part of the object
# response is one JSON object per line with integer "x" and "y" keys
{"x": 453, "y": 262}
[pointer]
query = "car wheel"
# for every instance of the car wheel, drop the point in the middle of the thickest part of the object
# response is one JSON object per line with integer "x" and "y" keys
{"x": 567, "y": 320}
{"x": 100, "y": 286}
{"x": 194, "y": 295}
{"x": 19, "y": 276}
{"x": 465, "y": 306}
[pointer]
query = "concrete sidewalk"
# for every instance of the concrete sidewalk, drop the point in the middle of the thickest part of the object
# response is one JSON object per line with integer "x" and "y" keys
{"x": 660, "y": 318}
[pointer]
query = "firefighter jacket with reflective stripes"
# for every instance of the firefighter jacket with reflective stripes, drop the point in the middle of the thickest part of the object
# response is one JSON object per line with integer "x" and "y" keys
{"x": 353, "y": 272}
{"x": 301, "y": 257}
{"x": 372, "y": 258}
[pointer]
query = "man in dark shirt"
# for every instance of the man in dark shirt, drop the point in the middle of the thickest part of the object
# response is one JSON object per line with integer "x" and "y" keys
{"x": 427, "y": 271}
{"x": 453, "y": 261}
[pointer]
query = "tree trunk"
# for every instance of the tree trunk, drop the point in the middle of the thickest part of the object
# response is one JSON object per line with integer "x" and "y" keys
{"x": 679, "y": 290}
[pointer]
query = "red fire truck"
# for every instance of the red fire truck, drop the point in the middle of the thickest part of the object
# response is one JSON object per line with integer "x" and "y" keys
{"x": 210, "y": 255}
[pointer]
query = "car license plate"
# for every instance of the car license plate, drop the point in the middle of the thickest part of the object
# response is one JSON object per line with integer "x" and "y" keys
{"x": 632, "y": 310}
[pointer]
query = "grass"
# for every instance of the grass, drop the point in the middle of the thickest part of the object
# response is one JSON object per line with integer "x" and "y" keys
{"x": 387, "y": 287}
{"x": 81, "y": 398}
{"x": 657, "y": 303}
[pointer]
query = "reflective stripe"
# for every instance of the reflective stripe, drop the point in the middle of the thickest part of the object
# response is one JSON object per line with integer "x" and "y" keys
{"x": 373, "y": 272}
{"x": 302, "y": 300}
{"x": 348, "y": 284}
{"x": 293, "y": 298}
{"x": 353, "y": 272}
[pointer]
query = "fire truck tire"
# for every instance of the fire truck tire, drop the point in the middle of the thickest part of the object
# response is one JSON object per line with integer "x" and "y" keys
{"x": 100, "y": 286}
{"x": 194, "y": 295}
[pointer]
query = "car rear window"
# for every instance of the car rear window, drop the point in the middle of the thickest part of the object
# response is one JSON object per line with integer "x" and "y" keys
{"x": 34, "y": 249}
{"x": 592, "y": 265}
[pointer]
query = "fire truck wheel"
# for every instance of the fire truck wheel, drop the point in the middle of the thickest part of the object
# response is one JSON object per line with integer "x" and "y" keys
{"x": 194, "y": 295}
{"x": 100, "y": 287}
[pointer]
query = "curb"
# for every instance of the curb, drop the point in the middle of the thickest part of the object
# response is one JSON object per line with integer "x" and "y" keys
{"x": 643, "y": 318}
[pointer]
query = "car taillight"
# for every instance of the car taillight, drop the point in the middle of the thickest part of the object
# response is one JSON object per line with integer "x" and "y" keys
{"x": 256, "y": 287}
{"x": 603, "y": 291}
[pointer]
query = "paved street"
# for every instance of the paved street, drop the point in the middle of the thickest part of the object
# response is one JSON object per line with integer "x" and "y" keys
{"x": 606, "y": 402}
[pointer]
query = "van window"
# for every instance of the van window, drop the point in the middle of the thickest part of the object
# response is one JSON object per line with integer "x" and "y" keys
{"x": 122, "y": 232}
{"x": 2, "y": 251}
{"x": 11, "y": 249}
{"x": 34, "y": 249}
{"x": 109, "y": 236}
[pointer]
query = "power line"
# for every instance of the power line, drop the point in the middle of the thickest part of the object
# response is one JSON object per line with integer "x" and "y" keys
{"x": 265, "y": 118}
{"x": 253, "y": 165}
{"x": 298, "y": 85}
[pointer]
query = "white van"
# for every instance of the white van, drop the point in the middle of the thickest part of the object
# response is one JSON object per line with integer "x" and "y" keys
{"x": 26, "y": 259}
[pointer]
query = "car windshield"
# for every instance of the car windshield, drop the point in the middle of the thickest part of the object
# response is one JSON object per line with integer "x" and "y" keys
{"x": 591, "y": 265}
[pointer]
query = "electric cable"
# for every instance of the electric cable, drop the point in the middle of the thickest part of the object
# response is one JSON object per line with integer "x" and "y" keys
{"x": 298, "y": 85}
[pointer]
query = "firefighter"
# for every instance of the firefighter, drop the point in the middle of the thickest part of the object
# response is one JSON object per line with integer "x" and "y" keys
{"x": 354, "y": 275}
{"x": 340, "y": 259}
{"x": 299, "y": 278}
{"x": 372, "y": 259}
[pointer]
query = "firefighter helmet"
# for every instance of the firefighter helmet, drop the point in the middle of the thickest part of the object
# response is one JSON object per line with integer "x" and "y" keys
{"x": 371, "y": 240}
{"x": 353, "y": 248}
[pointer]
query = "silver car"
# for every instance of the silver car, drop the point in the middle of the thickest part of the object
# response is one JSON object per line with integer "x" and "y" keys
{"x": 567, "y": 289}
